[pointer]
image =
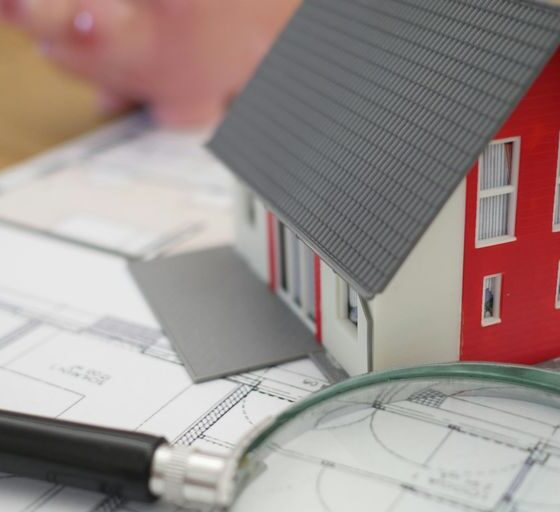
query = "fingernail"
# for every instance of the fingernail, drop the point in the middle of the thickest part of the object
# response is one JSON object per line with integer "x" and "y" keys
{"x": 97, "y": 19}
{"x": 84, "y": 23}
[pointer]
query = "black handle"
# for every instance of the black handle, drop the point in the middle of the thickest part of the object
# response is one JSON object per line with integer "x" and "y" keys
{"x": 111, "y": 461}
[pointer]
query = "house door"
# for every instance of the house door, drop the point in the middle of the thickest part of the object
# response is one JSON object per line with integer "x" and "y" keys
{"x": 297, "y": 275}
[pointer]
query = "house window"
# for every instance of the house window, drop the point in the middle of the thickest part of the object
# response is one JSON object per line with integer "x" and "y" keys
{"x": 352, "y": 305}
{"x": 556, "y": 220}
{"x": 497, "y": 178}
{"x": 348, "y": 301}
{"x": 282, "y": 257}
{"x": 308, "y": 264}
{"x": 295, "y": 264}
{"x": 296, "y": 273}
{"x": 491, "y": 295}
{"x": 249, "y": 207}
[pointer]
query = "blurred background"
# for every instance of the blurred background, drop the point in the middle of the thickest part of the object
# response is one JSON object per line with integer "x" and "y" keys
{"x": 40, "y": 105}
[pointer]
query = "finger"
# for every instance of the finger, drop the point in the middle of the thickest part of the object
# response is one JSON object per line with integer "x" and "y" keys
{"x": 102, "y": 19}
{"x": 85, "y": 61}
{"x": 42, "y": 18}
{"x": 73, "y": 20}
{"x": 110, "y": 49}
{"x": 108, "y": 102}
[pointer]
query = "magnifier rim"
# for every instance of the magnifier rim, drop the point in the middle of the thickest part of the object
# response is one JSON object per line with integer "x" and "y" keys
{"x": 536, "y": 379}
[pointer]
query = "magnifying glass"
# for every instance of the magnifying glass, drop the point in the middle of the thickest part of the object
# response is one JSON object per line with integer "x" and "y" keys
{"x": 464, "y": 436}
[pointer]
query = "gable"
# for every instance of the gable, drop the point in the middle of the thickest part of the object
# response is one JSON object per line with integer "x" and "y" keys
{"x": 367, "y": 114}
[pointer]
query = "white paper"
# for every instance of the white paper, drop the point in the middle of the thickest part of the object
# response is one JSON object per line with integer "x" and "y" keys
{"x": 129, "y": 188}
{"x": 78, "y": 342}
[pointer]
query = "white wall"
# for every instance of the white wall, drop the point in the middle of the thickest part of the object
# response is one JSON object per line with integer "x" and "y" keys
{"x": 340, "y": 337}
{"x": 417, "y": 319}
{"x": 251, "y": 241}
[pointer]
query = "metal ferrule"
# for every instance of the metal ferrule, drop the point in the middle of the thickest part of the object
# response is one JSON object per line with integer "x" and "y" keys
{"x": 187, "y": 475}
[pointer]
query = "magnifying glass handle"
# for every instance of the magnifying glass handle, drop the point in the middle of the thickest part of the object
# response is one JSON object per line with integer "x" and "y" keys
{"x": 121, "y": 463}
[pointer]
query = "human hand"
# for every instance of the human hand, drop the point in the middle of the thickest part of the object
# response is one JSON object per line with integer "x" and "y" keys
{"x": 185, "y": 59}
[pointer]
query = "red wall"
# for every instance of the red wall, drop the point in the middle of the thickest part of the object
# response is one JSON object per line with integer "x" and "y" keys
{"x": 530, "y": 323}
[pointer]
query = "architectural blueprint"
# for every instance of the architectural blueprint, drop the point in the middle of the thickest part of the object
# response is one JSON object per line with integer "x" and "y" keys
{"x": 129, "y": 188}
{"x": 435, "y": 452}
{"x": 77, "y": 342}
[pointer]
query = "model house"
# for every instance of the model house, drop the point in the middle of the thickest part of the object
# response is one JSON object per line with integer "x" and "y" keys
{"x": 399, "y": 178}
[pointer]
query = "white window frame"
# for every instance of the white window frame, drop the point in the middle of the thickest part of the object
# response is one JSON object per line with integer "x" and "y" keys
{"x": 304, "y": 308}
{"x": 492, "y": 192}
{"x": 497, "y": 318}
{"x": 557, "y": 291}
{"x": 342, "y": 307}
{"x": 556, "y": 225}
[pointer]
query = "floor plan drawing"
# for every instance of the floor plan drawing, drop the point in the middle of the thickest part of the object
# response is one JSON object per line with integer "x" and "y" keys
{"x": 76, "y": 362}
{"x": 435, "y": 451}
{"x": 131, "y": 189}
{"x": 78, "y": 342}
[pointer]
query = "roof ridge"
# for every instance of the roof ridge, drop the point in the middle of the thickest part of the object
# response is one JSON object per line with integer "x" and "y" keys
{"x": 326, "y": 117}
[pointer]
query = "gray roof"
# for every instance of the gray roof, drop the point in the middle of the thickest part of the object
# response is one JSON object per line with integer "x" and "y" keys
{"x": 367, "y": 114}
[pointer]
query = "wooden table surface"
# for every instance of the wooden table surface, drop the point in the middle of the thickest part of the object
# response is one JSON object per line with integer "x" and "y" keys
{"x": 40, "y": 106}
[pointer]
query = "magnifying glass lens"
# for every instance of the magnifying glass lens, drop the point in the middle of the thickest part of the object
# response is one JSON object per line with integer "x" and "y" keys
{"x": 442, "y": 443}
